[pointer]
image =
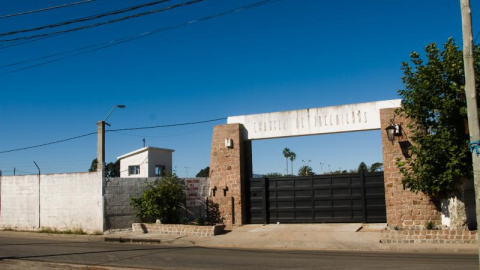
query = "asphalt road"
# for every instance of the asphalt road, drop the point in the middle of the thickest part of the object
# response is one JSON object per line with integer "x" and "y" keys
{"x": 40, "y": 252}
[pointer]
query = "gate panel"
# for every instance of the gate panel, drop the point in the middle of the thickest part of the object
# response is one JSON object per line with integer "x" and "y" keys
{"x": 317, "y": 199}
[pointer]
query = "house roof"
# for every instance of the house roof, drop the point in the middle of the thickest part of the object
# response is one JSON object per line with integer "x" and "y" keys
{"x": 149, "y": 148}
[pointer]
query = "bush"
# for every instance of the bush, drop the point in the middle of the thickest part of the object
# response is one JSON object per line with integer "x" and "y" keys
{"x": 165, "y": 201}
{"x": 213, "y": 213}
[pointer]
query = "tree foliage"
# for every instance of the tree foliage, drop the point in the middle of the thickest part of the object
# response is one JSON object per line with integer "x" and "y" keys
{"x": 164, "y": 201}
{"x": 305, "y": 171}
{"x": 93, "y": 165}
{"x": 362, "y": 167}
{"x": 286, "y": 153}
{"x": 376, "y": 167}
{"x": 273, "y": 174}
{"x": 434, "y": 98}
{"x": 112, "y": 169}
{"x": 204, "y": 172}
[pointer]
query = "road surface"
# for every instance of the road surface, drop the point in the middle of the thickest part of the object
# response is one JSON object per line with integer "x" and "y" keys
{"x": 17, "y": 252}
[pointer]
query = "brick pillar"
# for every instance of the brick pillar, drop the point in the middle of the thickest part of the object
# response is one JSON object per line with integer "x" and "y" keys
{"x": 404, "y": 208}
{"x": 227, "y": 173}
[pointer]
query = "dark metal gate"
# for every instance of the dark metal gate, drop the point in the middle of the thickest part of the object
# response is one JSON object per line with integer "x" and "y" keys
{"x": 317, "y": 199}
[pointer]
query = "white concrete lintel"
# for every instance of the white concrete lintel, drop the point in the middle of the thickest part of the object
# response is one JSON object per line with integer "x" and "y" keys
{"x": 323, "y": 120}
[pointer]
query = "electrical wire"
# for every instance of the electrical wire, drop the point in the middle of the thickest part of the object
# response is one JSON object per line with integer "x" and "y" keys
{"x": 112, "y": 130}
{"x": 83, "y": 19}
{"x": 475, "y": 40}
{"x": 49, "y": 143}
{"x": 164, "y": 126}
{"x": 45, "y": 9}
{"x": 104, "y": 23}
{"x": 145, "y": 34}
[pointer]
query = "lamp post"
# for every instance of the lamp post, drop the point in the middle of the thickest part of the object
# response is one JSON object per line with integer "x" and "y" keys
{"x": 101, "y": 139}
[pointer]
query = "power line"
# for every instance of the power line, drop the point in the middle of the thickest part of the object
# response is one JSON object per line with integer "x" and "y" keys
{"x": 83, "y": 19}
{"x": 170, "y": 125}
{"x": 49, "y": 143}
{"x": 144, "y": 34}
{"x": 112, "y": 130}
{"x": 103, "y": 23}
{"x": 45, "y": 9}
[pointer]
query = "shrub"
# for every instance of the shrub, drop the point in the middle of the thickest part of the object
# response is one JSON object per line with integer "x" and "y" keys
{"x": 213, "y": 213}
{"x": 163, "y": 201}
{"x": 429, "y": 225}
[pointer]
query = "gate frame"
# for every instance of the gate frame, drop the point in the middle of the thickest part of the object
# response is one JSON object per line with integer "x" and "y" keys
{"x": 231, "y": 165}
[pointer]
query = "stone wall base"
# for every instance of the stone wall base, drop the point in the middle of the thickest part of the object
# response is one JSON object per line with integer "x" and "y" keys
{"x": 423, "y": 236}
{"x": 179, "y": 229}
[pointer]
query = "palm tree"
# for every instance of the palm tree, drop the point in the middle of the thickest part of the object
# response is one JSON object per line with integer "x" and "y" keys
{"x": 286, "y": 154}
{"x": 305, "y": 171}
{"x": 292, "y": 157}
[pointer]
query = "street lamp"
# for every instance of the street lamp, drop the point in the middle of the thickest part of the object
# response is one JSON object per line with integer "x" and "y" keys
{"x": 101, "y": 139}
{"x": 119, "y": 106}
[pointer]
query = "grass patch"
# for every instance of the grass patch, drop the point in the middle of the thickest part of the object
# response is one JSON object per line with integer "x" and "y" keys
{"x": 50, "y": 230}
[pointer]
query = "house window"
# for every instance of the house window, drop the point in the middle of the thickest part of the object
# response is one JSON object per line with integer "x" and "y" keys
{"x": 159, "y": 170}
{"x": 134, "y": 169}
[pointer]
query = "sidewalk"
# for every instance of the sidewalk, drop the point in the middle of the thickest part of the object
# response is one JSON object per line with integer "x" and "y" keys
{"x": 351, "y": 237}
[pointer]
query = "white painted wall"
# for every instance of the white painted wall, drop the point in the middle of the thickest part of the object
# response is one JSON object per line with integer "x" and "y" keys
{"x": 67, "y": 201}
{"x": 70, "y": 201}
{"x": 159, "y": 157}
{"x": 19, "y": 202}
{"x": 137, "y": 159}
{"x": 333, "y": 119}
{"x": 147, "y": 158}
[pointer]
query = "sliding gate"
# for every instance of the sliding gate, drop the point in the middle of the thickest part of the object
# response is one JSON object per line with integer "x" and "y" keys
{"x": 317, "y": 199}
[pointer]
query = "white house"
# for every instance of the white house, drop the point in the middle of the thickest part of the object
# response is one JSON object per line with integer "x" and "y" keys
{"x": 146, "y": 162}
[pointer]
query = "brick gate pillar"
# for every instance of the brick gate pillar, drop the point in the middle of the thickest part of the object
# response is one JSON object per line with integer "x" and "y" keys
{"x": 227, "y": 170}
{"x": 404, "y": 208}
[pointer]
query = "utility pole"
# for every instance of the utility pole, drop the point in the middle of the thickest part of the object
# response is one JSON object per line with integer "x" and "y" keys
{"x": 471, "y": 97}
{"x": 101, "y": 146}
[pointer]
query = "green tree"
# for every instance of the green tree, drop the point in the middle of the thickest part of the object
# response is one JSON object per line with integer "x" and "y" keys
{"x": 362, "y": 167}
{"x": 305, "y": 171}
{"x": 273, "y": 174}
{"x": 286, "y": 153}
{"x": 112, "y": 169}
{"x": 434, "y": 99}
{"x": 93, "y": 165}
{"x": 165, "y": 201}
{"x": 376, "y": 167}
{"x": 292, "y": 157}
{"x": 204, "y": 172}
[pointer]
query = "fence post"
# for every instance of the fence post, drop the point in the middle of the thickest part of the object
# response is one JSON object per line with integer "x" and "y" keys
{"x": 265, "y": 200}
{"x": 364, "y": 201}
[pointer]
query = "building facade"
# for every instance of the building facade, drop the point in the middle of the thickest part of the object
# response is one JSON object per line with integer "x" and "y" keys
{"x": 146, "y": 162}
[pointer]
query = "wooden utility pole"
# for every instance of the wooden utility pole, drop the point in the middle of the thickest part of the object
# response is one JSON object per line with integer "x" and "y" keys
{"x": 471, "y": 96}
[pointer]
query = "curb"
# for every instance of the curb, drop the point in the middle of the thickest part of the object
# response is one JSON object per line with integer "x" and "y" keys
{"x": 132, "y": 240}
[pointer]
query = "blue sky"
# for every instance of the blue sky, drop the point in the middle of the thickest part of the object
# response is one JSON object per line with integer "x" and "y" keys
{"x": 285, "y": 55}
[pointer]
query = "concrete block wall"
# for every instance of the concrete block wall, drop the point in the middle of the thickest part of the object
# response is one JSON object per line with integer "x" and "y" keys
{"x": 226, "y": 171}
{"x": 405, "y": 209}
{"x": 60, "y": 201}
{"x": 119, "y": 214}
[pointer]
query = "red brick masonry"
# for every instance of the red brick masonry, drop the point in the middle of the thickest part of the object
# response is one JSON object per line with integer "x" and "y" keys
{"x": 420, "y": 236}
{"x": 179, "y": 229}
{"x": 404, "y": 207}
